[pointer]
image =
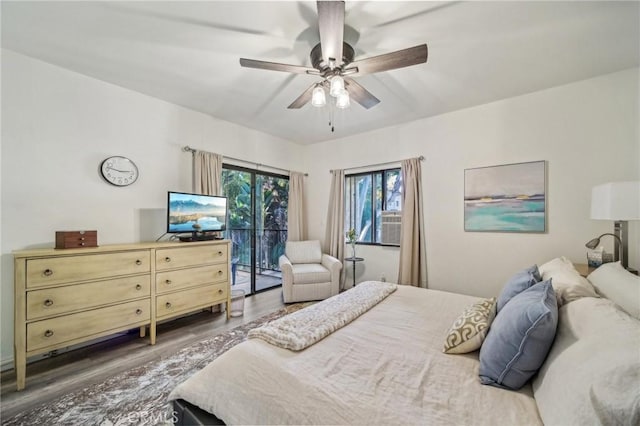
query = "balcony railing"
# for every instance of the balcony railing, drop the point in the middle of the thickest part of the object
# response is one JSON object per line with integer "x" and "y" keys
{"x": 269, "y": 246}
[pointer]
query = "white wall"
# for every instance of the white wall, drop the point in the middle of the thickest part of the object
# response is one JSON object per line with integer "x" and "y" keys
{"x": 586, "y": 131}
{"x": 57, "y": 128}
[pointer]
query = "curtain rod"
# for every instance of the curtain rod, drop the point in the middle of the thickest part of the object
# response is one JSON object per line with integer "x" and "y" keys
{"x": 258, "y": 165}
{"x": 421, "y": 158}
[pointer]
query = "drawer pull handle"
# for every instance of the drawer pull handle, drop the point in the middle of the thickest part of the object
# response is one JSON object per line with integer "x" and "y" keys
{"x": 82, "y": 239}
{"x": 168, "y": 282}
{"x": 138, "y": 311}
{"x": 48, "y": 302}
{"x": 48, "y": 333}
{"x": 220, "y": 272}
{"x": 48, "y": 272}
{"x": 167, "y": 259}
{"x": 220, "y": 253}
{"x": 168, "y": 305}
{"x": 220, "y": 291}
{"x": 138, "y": 287}
{"x": 138, "y": 262}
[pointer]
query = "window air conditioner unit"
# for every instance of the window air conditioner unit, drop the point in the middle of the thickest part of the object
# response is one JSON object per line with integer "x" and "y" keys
{"x": 391, "y": 222}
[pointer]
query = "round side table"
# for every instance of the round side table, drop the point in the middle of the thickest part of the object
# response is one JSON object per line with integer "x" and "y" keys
{"x": 353, "y": 260}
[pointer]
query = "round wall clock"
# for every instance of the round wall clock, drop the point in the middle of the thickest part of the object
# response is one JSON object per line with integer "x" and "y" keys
{"x": 119, "y": 171}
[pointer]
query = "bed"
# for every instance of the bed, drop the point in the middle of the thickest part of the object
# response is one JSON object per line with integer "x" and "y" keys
{"x": 387, "y": 366}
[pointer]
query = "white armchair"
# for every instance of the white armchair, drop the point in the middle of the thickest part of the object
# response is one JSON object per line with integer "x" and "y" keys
{"x": 307, "y": 273}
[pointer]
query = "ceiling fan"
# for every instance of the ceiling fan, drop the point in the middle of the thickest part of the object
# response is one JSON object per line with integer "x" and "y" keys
{"x": 332, "y": 59}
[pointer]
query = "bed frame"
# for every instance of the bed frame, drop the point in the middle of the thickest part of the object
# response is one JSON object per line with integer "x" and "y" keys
{"x": 187, "y": 414}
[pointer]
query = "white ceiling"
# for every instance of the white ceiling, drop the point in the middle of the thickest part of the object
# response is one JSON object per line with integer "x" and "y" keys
{"x": 187, "y": 53}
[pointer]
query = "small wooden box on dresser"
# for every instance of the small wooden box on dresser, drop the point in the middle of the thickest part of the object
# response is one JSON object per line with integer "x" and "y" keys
{"x": 68, "y": 296}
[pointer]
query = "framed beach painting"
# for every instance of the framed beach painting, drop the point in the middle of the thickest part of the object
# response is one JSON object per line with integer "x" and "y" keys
{"x": 505, "y": 198}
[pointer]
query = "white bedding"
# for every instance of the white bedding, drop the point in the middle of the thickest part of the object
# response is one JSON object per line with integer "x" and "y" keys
{"x": 386, "y": 367}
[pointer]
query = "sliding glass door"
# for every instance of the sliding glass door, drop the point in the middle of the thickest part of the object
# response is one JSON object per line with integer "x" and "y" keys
{"x": 257, "y": 226}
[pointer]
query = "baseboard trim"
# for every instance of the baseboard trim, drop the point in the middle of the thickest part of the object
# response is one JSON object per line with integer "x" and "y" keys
{"x": 8, "y": 364}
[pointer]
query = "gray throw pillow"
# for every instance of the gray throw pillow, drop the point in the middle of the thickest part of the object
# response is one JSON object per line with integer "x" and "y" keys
{"x": 519, "y": 338}
{"x": 517, "y": 284}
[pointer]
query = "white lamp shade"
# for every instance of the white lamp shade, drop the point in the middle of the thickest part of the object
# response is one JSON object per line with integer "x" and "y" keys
{"x": 342, "y": 101}
{"x": 337, "y": 86}
{"x": 318, "y": 98}
{"x": 616, "y": 201}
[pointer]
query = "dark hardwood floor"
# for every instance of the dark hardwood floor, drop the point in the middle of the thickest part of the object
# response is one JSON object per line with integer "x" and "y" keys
{"x": 71, "y": 371}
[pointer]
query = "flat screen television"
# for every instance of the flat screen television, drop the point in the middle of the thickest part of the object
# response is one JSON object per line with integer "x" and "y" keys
{"x": 196, "y": 213}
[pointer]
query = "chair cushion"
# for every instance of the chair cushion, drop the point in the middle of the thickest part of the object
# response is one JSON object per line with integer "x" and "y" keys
{"x": 310, "y": 273}
{"x": 303, "y": 251}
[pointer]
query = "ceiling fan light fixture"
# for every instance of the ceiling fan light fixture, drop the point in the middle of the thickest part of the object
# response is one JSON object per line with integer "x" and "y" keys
{"x": 337, "y": 86}
{"x": 332, "y": 59}
{"x": 318, "y": 98}
{"x": 342, "y": 101}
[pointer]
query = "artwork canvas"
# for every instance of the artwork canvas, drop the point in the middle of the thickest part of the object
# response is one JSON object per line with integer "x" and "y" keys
{"x": 505, "y": 198}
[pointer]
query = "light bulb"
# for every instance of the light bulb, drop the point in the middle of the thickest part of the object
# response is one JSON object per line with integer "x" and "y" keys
{"x": 342, "y": 101}
{"x": 318, "y": 98}
{"x": 337, "y": 86}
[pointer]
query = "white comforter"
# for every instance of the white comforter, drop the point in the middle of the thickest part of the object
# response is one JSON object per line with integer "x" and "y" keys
{"x": 386, "y": 367}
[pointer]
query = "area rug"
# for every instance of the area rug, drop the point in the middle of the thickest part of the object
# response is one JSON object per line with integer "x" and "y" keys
{"x": 139, "y": 396}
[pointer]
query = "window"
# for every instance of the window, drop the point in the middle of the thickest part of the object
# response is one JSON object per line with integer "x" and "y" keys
{"x": 367, "y": 195}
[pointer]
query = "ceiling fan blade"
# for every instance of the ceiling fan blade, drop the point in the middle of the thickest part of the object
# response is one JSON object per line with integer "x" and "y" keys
{"x": 331, "y": 27}
{"x": 390, "y": 61}
{"x": 145, "y": 11}
{"x": 360, "y": 94}
{"x": 302, "y": 99}
{"x": 431, "y": 8}
{"x": 274, "y": 66}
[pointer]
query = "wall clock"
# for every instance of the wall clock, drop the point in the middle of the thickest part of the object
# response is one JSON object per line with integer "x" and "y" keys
{"x": 119, "y": 171}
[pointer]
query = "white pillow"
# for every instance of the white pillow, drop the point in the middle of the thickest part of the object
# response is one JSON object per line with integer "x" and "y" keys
{"x": 566, "y": 281}
{"x": 592, "y": 372}
{"x": 617, "y": 284}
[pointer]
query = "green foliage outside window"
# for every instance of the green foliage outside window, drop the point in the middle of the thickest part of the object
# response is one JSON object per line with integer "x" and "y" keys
{"x": 266, "y": 218}
{"x": 366, "y": 196}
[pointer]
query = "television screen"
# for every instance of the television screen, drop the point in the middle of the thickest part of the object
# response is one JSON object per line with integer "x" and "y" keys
{"x": 195, "y": 212}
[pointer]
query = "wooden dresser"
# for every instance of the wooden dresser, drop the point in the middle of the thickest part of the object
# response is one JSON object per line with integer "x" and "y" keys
{"x": 69, "y": 296}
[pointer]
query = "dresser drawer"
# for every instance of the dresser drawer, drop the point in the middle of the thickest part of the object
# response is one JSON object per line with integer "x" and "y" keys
{"x": 59, "y": 300}
{"x": 188, "y": 300}
{"x": 190, "y": 256}
{"x": 184, "y": 278}
{"x": 57, "y": 331}
{"x": 59, "y": 270}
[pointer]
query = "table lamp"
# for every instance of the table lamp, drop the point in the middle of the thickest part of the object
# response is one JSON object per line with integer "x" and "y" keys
{"x": 620, "y": 202}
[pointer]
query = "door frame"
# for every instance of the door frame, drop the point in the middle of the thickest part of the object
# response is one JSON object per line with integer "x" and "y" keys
{"x": 253, "y": 173}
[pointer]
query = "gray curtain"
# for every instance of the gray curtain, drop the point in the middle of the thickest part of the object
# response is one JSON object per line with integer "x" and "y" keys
{"x": 334, "y": 234}
{"x": 413, "y": 263}
{"x": 207, "y": 170}
{"x": 295, "y": 213}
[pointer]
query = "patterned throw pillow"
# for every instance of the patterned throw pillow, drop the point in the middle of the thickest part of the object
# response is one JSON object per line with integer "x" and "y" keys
{"x": 469, "y": 330}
